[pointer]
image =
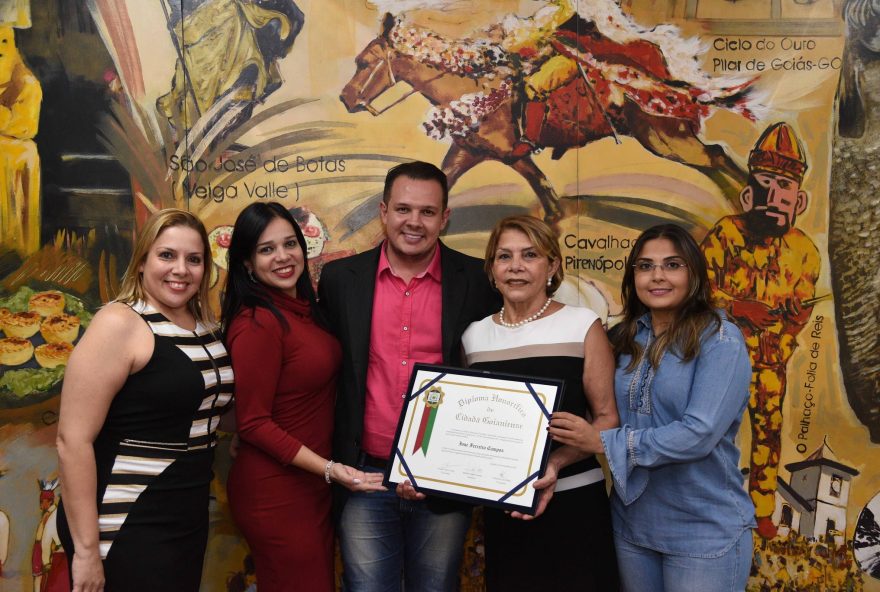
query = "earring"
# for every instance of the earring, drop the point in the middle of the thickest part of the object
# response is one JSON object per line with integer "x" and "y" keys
{"x": 549, "y": 280}
{"x": 251, "y": 275}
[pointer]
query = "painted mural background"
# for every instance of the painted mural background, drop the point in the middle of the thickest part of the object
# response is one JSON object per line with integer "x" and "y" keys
{"x": 110, "y": 109}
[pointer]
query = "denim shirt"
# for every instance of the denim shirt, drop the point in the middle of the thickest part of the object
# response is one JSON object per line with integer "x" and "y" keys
{"x": 677, "y": 485}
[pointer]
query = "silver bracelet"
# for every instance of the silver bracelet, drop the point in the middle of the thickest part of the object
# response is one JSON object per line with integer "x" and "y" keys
{"x": 327, "y": 469}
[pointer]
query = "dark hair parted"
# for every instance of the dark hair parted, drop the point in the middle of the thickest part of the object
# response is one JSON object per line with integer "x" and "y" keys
{"x": 692, "y": 318}
{"x": 420, "y": 171}
{"x": 242, "y": 292}
{"x": 544, "y": 239}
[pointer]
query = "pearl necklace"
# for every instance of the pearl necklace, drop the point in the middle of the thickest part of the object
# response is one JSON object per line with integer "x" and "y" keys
{"x": 524, "y": 321}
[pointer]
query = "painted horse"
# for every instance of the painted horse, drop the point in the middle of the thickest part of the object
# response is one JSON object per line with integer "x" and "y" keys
{"x": 576, "y": 115}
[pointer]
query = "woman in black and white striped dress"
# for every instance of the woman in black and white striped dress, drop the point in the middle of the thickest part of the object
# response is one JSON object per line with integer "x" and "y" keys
{"x": 141, "y": 400}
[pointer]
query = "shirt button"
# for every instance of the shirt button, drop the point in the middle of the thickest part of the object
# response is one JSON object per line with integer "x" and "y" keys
{"x": 406, "y": 293}
{"x": 404, "y": 362}
{"x": 405, "y": 328}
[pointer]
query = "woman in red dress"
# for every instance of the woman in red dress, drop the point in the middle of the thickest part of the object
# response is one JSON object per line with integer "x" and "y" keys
{"x": 286, "y": 365}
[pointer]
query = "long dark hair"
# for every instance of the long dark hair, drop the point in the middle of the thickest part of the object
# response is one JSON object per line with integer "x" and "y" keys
{"x": 242, "y": 292}
{"x": 691, "y": 319}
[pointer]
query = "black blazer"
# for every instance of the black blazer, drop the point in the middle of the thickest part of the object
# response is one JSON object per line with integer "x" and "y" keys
{"x": 346, "y": 296}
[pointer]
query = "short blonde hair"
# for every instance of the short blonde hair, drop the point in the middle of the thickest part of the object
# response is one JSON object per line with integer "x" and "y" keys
{"x": 132, "y": 289}
{"x": 544, "y": 238}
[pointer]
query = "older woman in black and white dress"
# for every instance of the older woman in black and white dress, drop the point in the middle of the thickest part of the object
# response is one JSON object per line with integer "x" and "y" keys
{"x": 568, "y": 544}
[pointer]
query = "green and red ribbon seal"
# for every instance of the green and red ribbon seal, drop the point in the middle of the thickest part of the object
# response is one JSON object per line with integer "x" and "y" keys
{"x": 433, "y": 398}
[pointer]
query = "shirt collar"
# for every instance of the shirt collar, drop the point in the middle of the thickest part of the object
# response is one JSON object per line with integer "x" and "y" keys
{"x": 433, "y": 269}
{"x": 645, "y": 321}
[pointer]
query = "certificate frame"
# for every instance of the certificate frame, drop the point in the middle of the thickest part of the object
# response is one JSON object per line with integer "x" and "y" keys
{"x": 486, "y": 433}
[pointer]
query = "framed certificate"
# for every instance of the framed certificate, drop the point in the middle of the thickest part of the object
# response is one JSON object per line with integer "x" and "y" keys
{"x": 475, "y": 436}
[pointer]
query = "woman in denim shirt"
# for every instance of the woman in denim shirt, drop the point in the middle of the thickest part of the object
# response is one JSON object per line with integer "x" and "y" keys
{"x": 682, "y": 519}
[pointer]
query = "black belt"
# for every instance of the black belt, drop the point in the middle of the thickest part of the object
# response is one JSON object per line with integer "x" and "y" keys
{"x": 368, "y": 460}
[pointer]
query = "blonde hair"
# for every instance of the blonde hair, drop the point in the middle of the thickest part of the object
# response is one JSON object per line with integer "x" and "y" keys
{"x": 544, "y": 239}
{"x": 132, "y": 289}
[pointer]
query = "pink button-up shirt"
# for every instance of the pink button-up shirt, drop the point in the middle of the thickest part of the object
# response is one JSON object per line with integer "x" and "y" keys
{"x": 405, "y": 329}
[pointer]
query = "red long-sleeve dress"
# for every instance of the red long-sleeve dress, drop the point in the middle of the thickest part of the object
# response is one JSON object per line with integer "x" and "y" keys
{"x": 284, "y": 396}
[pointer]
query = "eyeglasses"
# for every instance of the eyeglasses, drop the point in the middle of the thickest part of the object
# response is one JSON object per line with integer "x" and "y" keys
{"x": 667, "y": 266}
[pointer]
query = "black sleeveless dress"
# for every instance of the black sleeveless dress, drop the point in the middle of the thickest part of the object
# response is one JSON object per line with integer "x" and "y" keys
{"x": 154, "y": 456}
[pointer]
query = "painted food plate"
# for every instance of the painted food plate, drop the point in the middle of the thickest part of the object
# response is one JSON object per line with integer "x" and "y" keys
{"x": 38, "y": 329}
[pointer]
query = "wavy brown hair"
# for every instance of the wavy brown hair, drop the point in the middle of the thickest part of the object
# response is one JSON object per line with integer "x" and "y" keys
{"x": 541, "y": 235}
{"x": 694, "y": 316}
{"x": 132, "y": 289}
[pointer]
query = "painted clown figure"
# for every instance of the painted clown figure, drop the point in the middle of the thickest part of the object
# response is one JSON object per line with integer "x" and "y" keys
{"x": 763, "y": 272}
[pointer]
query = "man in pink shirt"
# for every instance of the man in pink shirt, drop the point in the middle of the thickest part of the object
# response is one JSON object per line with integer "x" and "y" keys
{"x": 406, "y": 301}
